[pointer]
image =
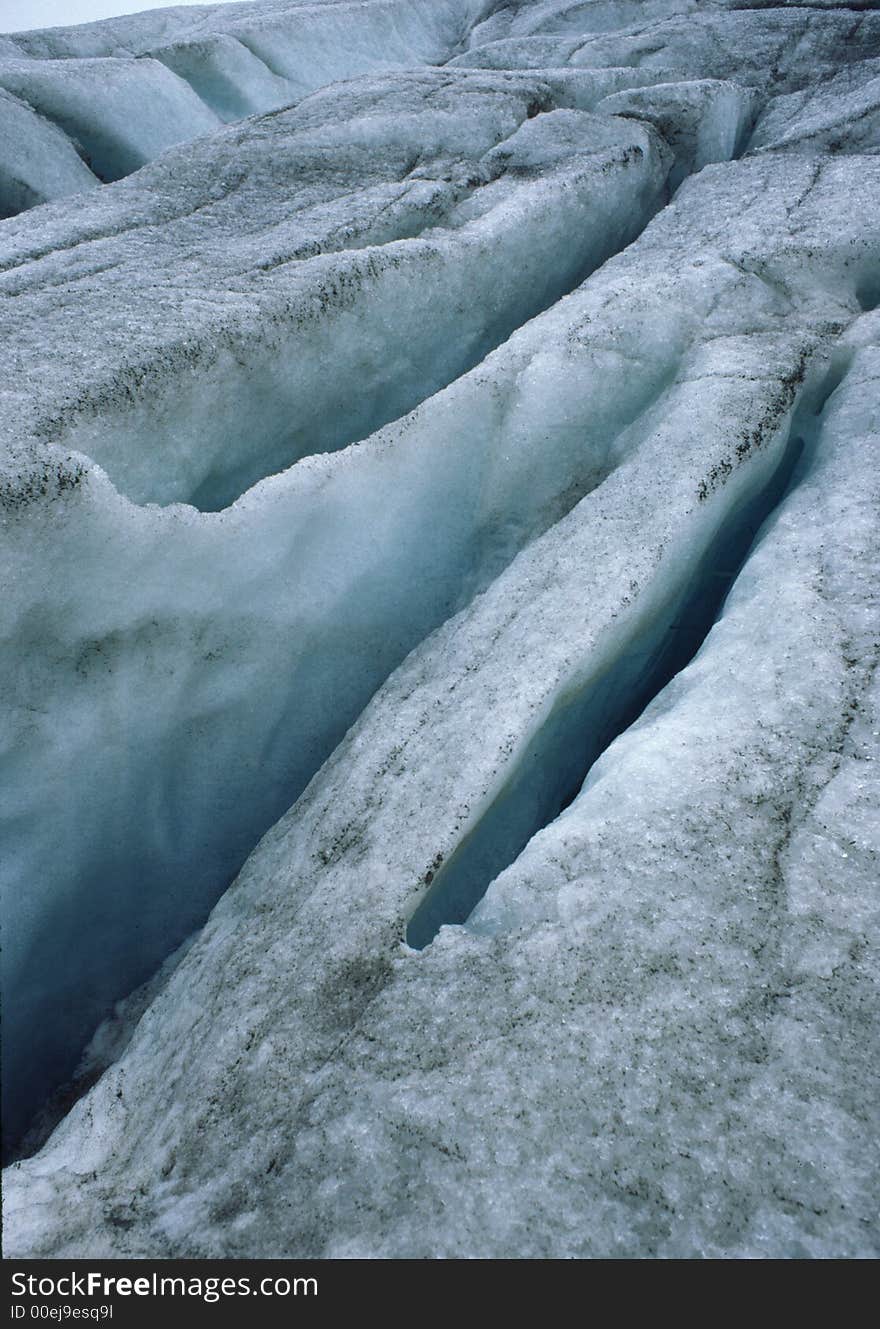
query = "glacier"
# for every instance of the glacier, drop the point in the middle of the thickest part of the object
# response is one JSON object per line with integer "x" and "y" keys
{"x": 439, "y": 506}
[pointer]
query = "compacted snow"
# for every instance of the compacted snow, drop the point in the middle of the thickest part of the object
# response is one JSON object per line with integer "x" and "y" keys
{"x": 455, "y": 434}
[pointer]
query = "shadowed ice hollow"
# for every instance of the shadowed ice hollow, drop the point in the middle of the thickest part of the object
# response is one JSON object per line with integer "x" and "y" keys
{"x": 439, "y": 508}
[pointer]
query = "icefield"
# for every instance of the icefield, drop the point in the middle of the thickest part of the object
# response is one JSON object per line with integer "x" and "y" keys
{"x": 440, "y": 509}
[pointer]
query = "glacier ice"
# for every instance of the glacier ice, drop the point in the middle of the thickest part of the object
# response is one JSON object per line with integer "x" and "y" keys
{"x": 125, "y": 89}
{"x": 702, "y": 121}
{"x": 454, "y": 175}
{"x": 841, "y": 110}
{"x": 454, "y": 463}
{"x": 119, "y": 113}
{"x": 38, "y": 162}
{"x": 176, "y": 821}
{"x": 227, "y": 75}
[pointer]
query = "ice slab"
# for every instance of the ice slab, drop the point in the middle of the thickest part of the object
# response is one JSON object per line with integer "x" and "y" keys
{"x": 244, "y": 393}
{"x": 703, "y": 121}
{"x": 796, "y": 45}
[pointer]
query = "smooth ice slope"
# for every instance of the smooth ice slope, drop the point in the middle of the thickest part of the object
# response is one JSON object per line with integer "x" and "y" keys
{"x": 469, "y": 452}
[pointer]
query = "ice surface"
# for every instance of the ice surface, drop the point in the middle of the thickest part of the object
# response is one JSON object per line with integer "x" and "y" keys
{"x": 121, "y": 113}
{"x": 462, "y": 197}
{"x": 399, "y": 450}
{"x": 703, "y": 122}
{"x": 795, "y": 46}
{"x": 227, "y": 76}
{"x": 838, "y": 114}
{"x": 171, "y": 806}
{"x": 37, "y": 161}
{"x": 193, "y": 65}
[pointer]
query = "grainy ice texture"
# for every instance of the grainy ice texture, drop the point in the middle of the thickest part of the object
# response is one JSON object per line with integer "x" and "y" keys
{"x": 462, "y": 446}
